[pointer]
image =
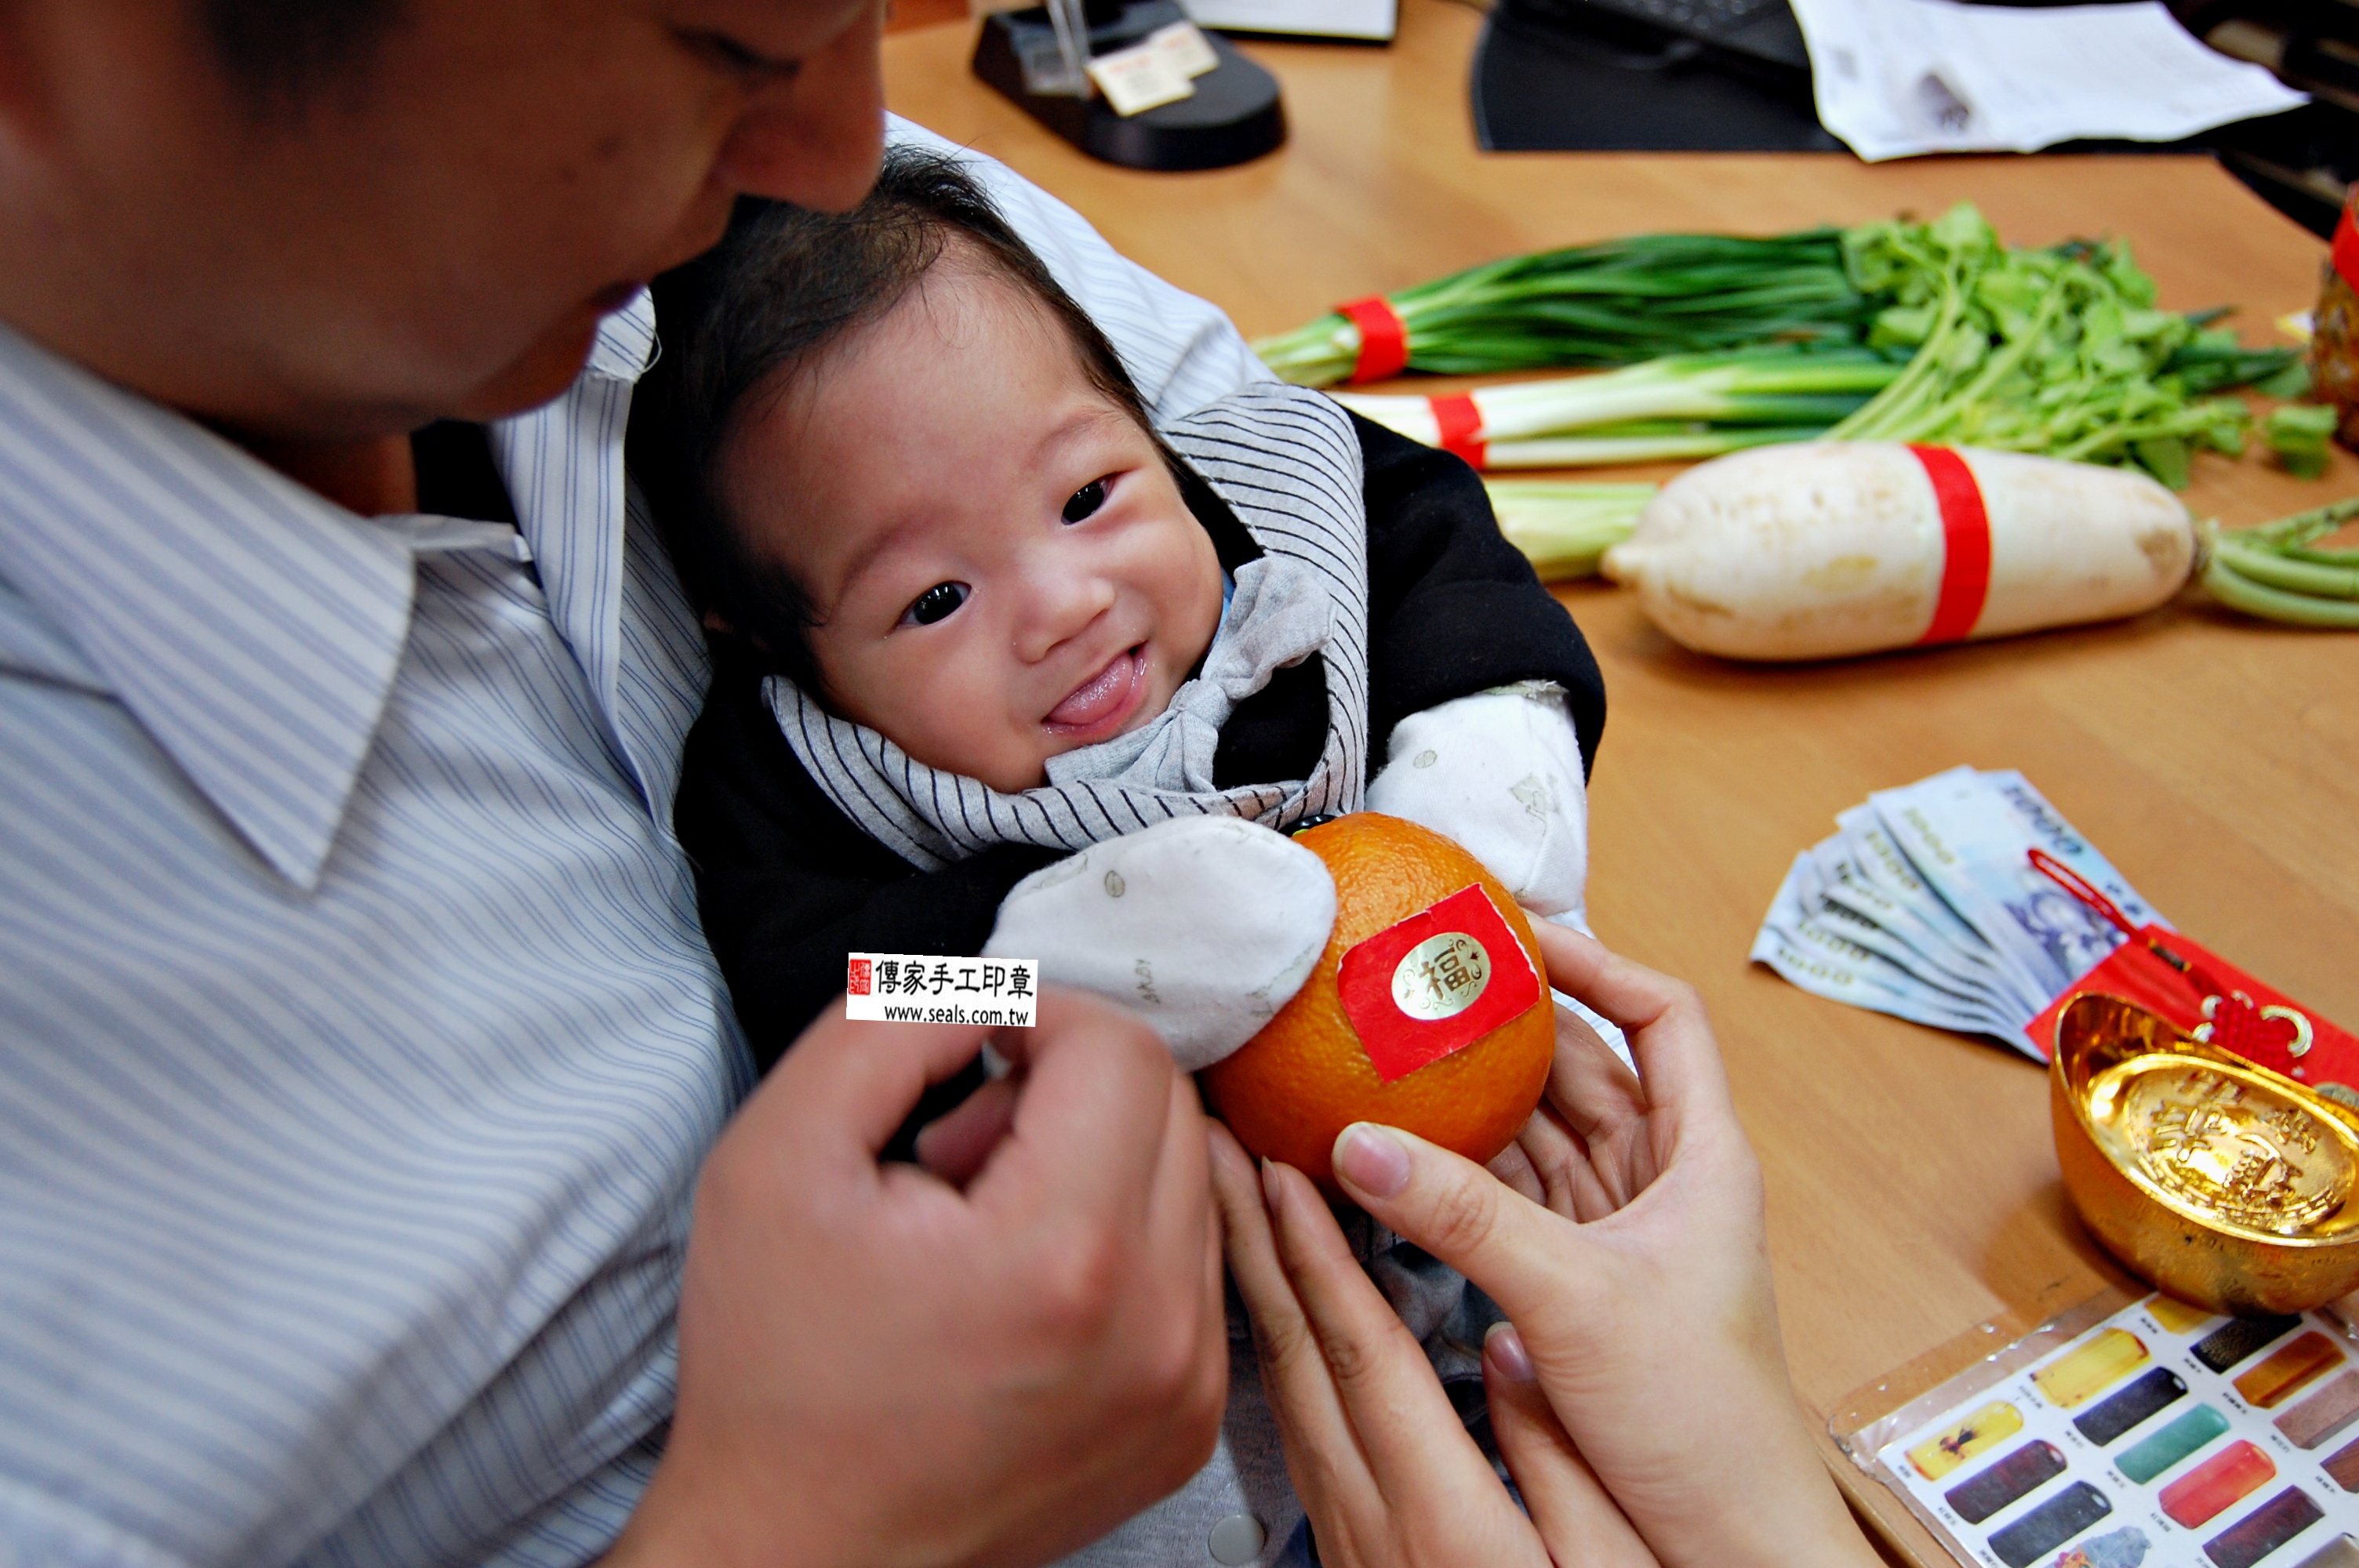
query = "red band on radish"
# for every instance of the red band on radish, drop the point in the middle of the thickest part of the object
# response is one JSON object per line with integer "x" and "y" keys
{"x": 1461, "y": 424}
{"x": 2346, "y": 248}
{"x": 1966, "y": 546}
{"x": 1384, "y": 338}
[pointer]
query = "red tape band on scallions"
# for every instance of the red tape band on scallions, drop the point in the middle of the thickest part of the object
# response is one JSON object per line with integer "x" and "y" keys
{"x": 1384, "y": 338}
{"x": 2346, "y": 249}
{"x": 1966, "y": 546}
{"x": 1461, "y": 424}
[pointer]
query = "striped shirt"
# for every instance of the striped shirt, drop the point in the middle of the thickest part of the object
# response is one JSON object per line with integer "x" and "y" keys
{"x": 358, "y": 1045}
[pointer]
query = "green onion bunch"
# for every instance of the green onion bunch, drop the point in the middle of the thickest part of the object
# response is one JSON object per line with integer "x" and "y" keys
{"x": 1933, "y": 332}
{"x": 1679, "y": 407}
{"x": 1564, "y": 526}
{"x": 2058, "y": 351}
{"x": 2275, "y": 571}
{"x": 1611, "y": 304}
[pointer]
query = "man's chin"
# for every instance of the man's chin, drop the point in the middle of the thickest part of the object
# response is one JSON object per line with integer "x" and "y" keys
{"x": 541, "y": 374}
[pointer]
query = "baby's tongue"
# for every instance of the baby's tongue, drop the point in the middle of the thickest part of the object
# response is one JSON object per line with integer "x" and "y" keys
{"x": 1101, "y": 694}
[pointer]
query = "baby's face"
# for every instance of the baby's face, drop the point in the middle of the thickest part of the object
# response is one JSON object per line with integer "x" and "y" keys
{"x": 1001, "y": 565}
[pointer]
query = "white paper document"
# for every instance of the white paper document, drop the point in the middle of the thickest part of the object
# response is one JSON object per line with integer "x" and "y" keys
{"x": 1899, "y": 77}
{"x": 1370, "y": 19}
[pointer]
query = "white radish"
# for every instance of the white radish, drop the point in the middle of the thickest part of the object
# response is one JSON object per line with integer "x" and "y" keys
{"x": 1819, "y": 550}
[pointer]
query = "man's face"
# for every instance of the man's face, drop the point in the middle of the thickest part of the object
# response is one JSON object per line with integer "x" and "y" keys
{"x": 436, "y": 231}
{"x": 1001, "y": 565}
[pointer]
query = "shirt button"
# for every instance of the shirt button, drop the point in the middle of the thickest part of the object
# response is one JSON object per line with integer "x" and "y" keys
{"x": 1236, "y": 1540}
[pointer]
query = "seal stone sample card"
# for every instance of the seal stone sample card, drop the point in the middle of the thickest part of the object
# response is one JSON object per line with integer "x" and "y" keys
{"x": 2151, "y": 1435}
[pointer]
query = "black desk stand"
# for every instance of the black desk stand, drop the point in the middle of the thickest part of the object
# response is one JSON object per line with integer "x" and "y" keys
{"x": 1233, "y": 117}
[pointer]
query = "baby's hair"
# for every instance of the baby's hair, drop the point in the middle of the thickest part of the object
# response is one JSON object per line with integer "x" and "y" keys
{"x": 769, "y": 302}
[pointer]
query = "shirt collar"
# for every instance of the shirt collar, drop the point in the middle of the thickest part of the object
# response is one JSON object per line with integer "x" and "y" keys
{"x": 253, "y": 627}
{"x": 625, "y": 346}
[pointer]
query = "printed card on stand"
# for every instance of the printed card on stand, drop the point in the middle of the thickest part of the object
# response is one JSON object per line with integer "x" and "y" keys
{"x": 1139, "y": 77}
{"x": 1185, "y": 47}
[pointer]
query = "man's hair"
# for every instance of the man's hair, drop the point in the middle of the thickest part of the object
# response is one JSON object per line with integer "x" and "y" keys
{"x": 279, "y": 53}
{"x": 761, "y": 311}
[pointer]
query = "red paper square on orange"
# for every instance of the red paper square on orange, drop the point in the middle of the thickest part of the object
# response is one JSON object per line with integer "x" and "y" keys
{"x": 1436, "y": 982}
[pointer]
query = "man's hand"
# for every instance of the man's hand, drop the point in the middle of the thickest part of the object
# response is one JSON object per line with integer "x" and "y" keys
{"x": 876, "y": 1365}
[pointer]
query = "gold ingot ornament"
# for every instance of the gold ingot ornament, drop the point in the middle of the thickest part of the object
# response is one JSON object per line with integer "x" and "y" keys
{"x": 2223, "y": 1183}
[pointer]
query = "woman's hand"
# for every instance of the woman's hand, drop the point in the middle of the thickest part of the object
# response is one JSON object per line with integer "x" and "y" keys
{"x": 1626, "y": 1249}
{"x": 1383, "y": 1468}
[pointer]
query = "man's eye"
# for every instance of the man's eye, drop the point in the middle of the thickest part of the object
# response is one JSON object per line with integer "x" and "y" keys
{"x": 935, "y": 603}
{"x": 748, "y": 65}
{"x": 1084, "y": 501}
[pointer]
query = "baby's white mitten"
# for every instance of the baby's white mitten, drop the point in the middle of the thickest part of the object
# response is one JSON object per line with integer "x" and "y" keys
{"x": 1204, "y": 926}
{"x": 1500, "y": 773}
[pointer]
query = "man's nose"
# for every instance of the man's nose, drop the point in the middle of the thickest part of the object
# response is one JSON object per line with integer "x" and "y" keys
{"x": 816, "y": 140}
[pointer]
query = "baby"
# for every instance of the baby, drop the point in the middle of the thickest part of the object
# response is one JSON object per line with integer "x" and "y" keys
{"x": 1002, "y": 666}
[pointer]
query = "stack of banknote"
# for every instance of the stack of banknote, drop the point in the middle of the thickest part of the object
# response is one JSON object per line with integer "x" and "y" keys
{"x": 1926, "y": 904}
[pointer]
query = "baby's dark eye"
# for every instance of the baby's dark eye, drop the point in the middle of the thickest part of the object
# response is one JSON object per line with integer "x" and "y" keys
{"x": 1084, "y": 501}
{"x": 935, "y": 603}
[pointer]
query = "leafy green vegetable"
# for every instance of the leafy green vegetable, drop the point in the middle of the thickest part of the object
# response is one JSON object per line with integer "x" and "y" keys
{"x": 2299, "y": 433}
{"x": 2060, "y": 349}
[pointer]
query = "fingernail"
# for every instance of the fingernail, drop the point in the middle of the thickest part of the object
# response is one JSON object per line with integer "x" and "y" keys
{"x": 1372, "y": 1160}
{"x": 1269, "y": 1183}
{"x": 1506, "y": 1349}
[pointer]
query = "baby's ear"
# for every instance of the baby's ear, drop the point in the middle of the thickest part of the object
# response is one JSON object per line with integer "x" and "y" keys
{"x": 720, "y": 625}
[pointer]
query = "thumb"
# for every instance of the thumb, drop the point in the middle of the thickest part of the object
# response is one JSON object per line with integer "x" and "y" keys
{"x": 1532, "y": 1262}
{"x": 846, "y": 1084}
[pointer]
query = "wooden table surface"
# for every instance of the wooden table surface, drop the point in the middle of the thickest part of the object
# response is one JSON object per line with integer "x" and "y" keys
{"x": 1912, "y": 1182}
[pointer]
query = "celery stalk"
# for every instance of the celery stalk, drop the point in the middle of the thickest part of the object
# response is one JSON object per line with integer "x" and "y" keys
{"x": 1565, "y": 528}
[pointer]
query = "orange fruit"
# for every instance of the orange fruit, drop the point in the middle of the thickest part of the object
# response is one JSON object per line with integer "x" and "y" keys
{"x": 1290, "y": 1090}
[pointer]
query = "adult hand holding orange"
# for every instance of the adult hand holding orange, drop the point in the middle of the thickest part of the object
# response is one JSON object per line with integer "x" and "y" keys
{"x": 1641, "y": 1396}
